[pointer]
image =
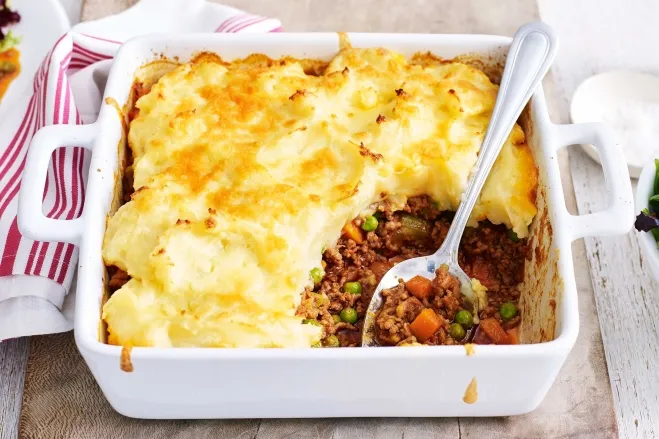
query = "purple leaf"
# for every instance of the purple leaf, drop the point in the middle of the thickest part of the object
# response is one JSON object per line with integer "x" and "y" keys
{"x": 645, "y": 222}
{"x": 7, "y": 17}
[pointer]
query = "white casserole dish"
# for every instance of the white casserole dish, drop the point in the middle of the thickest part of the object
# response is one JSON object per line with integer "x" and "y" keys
{"x": 359, "y": 382}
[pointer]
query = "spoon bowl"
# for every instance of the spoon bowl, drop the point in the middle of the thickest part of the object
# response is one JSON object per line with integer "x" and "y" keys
{"x": 422, "y": 266}
{"x": 531, "y": 53}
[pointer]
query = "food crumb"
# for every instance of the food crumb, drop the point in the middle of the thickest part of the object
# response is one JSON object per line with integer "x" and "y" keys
{"x": 210, "y": 223}
{"x": 471, "y": 394}
{"x": 470, "y": 348}
{"x": 125, "y": 363}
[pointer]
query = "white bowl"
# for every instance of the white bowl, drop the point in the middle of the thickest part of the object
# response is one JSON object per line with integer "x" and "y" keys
{"x": 644, "y": 189}
{"x": 608, "y": 90}
{"x": 196, "y": 383}
{"x": 42, "y": 23}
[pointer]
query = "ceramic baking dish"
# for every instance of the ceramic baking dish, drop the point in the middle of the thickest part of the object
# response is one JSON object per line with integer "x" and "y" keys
{"x": 350, "y": 382}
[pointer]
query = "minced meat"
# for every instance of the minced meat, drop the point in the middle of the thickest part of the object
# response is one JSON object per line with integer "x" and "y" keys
{"x": 489, "y": 253}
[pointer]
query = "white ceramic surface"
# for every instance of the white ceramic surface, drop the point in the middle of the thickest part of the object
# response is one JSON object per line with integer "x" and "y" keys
{"x": 270, "y": 383}
{"x": 73, "y": 9}
{"x": 607, "y": 90}
{"x": 644, "y": 189}
{"x": 42, "y": 23}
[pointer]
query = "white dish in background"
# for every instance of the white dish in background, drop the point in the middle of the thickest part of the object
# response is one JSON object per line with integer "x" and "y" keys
{"x": 644, "y": 190}
{"x": 195, "y": 383}
{"x": 42, "y": 23}
{"x": 604, "y": 93}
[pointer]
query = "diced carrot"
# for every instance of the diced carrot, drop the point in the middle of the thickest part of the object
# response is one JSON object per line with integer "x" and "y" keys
{"x": 425, "y": 325}
{"x": 353, "y": 232}
{"x": 494, "y": 331}
{"x": 419, "y": 286}
{"x": 513, "y": 335}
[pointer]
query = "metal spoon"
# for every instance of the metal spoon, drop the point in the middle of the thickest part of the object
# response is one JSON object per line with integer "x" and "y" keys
{"x": 531, "y": 53}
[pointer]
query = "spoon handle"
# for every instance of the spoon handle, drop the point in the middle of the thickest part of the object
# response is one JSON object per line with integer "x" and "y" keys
{"x": 531, "y": 53}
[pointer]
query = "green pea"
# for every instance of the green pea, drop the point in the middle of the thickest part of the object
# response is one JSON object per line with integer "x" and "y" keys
{"x": 457, "y": 331}
{"x": 332, "y": 341}
{"x": 508, "y": 310}
{"x": 321, "y": 299}
{"x": 512, "y": 235}
{"x": 336, "y": 318}
{"x": 317, "y": 345}
{"x": 370, "y": 223}
{"x": 317, "y": 274}
{"x": 352, "y": 287}
{"x": 464, "y": 318}
{"x": 349, "y": 315}
{"x": 311, "y": 322}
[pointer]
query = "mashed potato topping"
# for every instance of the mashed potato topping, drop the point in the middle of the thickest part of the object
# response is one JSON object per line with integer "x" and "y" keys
{"x": 245, "y": 171}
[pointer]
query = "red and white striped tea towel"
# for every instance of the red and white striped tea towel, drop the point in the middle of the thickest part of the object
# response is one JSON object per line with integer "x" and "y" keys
{"x": 35, "y": 277}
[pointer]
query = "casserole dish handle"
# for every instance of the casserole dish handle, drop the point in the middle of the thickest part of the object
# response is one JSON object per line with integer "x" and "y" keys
{"x": 32, "y": 222}
{"x": 618, "y": 217}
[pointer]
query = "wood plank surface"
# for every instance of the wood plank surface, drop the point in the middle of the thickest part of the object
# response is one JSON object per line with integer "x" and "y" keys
{"x": 628, "y": 304}
{"x": 627, "y": 298}
{"x": 13, "y": 359}
{"x": 62, "y": 400}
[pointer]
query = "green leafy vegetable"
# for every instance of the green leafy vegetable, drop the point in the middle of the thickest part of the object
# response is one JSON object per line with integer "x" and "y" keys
{"x": 654, "y": 203}
{"x": 647, "y": 221}
{"x": 7, "y": 18}
{"x": 9, "y": 41}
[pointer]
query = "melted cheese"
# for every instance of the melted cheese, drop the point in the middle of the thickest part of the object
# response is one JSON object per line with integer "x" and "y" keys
{"x": 247, "y": 170}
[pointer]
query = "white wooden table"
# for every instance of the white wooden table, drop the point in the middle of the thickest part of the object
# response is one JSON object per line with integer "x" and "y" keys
{"x": 602, "y": 35}
{"x": 596, "y": 35}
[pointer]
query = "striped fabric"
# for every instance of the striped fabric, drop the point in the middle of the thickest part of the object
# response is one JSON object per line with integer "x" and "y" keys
{"x": 52, "y": 102}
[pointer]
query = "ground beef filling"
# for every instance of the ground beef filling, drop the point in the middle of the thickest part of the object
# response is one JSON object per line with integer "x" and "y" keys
{"x": 489, "y": 253}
